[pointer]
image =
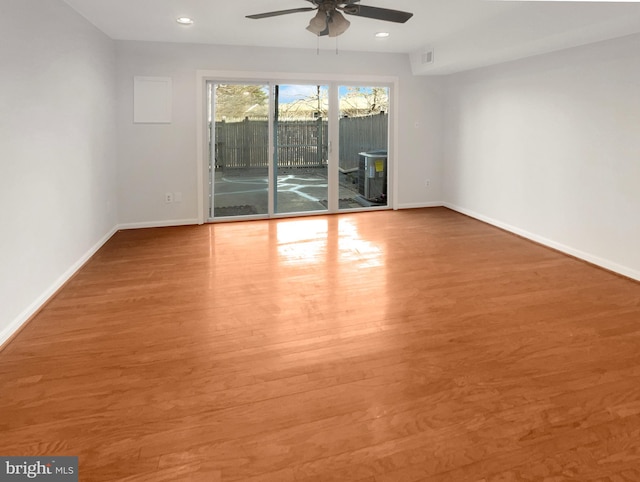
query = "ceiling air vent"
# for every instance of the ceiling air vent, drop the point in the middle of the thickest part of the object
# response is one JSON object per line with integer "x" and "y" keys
{"x": 427, "y": 57}
{"x": 422, "y": 61}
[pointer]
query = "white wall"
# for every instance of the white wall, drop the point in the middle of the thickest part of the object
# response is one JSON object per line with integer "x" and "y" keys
{"x": 154, "y": 159}
{"x": 57, "y": 148}
{"x": 549, "y": 147}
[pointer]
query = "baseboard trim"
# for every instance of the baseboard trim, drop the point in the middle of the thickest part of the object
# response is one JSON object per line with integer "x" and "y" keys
{"x": 433, "y": 204}
{"x": 576, "y": 253}
{"x": 158, "y": 224}
{"x": 8, "y": 333}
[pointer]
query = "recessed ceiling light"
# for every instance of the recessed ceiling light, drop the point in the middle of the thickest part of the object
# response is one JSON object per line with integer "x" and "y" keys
{"x": 184, "y": 21}
{"x": 382, "y": 34}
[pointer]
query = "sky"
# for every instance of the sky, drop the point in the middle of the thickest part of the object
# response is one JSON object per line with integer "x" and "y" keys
{"x": 291, "y": 93}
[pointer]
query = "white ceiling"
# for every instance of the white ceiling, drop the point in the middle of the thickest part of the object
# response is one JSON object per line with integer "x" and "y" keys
{"x": 463, "y": 33}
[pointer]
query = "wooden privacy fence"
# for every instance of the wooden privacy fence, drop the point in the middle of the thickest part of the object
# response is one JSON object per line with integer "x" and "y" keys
{"x": 300, "y": 143}
{"x": 361, "y": 134}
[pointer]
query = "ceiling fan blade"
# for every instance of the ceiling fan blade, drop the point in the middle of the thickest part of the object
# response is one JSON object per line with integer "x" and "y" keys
{"x": 378, "y": 13}
{"x": 280, "y": 12}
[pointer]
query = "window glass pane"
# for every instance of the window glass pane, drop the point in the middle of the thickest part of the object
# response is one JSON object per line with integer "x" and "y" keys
{"x": 239, "y": 147}
{"x": 301, "y": 148}
{"x": 364, "y": 120}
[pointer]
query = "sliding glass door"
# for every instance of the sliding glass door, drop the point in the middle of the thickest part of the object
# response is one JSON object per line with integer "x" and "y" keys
{"x": 279, "y": 149}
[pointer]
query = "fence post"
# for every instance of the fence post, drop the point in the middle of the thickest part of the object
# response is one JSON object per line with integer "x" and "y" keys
{"x": 246, "y": 138}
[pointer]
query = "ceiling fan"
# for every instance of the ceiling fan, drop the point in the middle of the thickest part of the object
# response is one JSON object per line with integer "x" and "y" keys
{"x": 329, "y": 19}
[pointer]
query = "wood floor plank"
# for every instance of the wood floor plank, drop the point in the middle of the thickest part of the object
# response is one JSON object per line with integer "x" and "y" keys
{"x": 385, "y": 346}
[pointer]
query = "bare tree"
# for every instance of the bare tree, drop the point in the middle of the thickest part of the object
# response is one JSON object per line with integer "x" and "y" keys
{"x": 364, "y": 101}
{"x": 236, "y": 102}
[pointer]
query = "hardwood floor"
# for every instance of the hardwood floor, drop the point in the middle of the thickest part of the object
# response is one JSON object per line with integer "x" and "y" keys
{"x": 385, "y": 346}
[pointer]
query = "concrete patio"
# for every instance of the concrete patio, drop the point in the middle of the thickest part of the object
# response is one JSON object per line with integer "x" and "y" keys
{"x": 240, "y": 192}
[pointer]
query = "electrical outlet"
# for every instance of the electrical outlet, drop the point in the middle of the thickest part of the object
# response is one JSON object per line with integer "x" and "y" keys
{"x": 427, "y": 183}
{"x": 168, "y": 197}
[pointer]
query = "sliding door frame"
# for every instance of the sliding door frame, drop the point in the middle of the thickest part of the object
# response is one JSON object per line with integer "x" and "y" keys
{"x": 271, "y": 79}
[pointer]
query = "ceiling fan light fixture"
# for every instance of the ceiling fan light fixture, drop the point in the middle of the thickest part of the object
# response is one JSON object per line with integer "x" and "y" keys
{"x": 318, "y": 23}
{"x": 337, "y": 24}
